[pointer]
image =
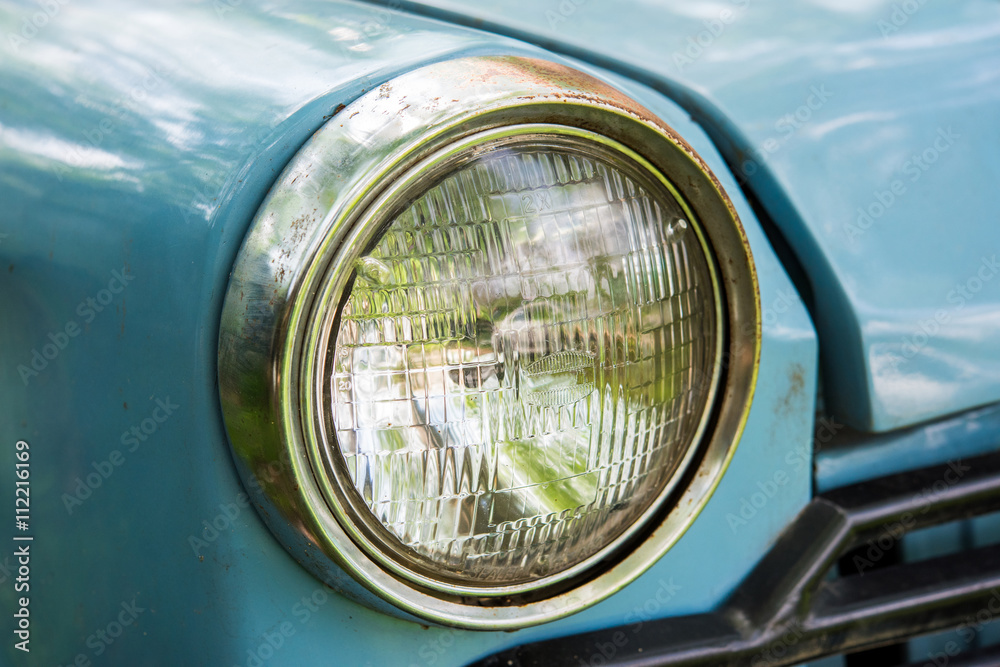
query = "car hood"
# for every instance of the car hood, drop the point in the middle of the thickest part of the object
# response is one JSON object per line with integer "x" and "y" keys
{"x": 867, "y": 131}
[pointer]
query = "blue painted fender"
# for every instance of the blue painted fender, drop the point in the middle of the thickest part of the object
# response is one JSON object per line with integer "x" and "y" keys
{"x": 136, "y": 143}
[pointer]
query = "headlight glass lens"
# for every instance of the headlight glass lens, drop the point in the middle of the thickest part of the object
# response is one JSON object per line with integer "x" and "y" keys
{"x": 522, "y": 360}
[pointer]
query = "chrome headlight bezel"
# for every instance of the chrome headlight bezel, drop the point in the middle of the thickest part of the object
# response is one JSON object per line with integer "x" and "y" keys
{"x": 321, "y": 209}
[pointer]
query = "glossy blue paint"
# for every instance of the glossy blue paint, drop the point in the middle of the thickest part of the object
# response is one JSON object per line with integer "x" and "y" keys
{"x": 849, "y": 458}
{"x": 145, "y": 151}
{"x": 869, "y": 134}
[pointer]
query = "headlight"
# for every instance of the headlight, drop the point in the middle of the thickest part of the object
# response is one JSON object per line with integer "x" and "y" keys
{"x": 514, "y": 365}
{"x": 480, "y": 339}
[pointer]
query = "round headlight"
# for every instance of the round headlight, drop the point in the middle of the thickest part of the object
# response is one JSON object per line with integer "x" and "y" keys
{"x": 472, "y": 355}
{"x": 514, "y": 366}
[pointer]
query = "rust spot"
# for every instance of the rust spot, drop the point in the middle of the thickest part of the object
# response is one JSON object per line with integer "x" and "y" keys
{"x": 797, "y": 384}
{"x": 338, "y": 109}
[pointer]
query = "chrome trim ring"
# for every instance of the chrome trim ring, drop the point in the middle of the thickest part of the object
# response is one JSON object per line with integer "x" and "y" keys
{"x": 331, "y": 196}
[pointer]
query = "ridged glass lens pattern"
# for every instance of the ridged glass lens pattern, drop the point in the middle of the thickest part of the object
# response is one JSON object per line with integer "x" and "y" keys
{"x": 522, "y": 361}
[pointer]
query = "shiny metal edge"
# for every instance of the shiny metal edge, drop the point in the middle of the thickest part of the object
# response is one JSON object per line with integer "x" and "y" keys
{"x": 309, "y": 214}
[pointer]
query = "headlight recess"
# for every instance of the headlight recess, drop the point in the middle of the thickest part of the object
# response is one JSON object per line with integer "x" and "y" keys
{"x": 481, "y": 353}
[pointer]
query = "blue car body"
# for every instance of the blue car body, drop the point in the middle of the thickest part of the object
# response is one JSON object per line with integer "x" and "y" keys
{"x": 137, "y": 142}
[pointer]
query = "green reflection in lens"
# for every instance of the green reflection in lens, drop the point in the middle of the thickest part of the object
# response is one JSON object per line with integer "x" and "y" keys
{"x": 521, "y": 362}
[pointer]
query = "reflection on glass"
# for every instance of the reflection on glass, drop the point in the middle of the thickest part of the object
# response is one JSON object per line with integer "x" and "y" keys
{"x": 520, "y": 361}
